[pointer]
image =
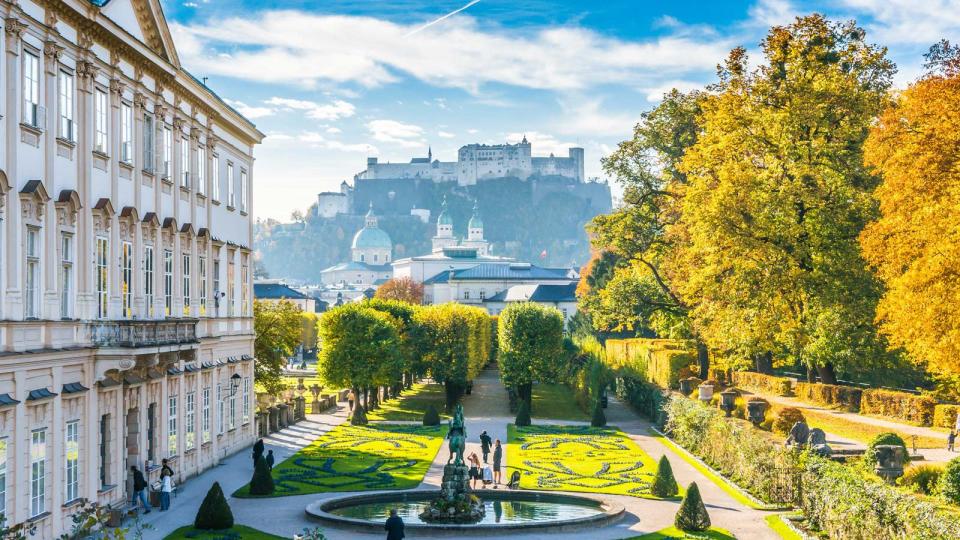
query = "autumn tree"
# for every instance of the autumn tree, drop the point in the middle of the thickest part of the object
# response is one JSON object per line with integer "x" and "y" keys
{"x": 530, "y": 346}
{"x": 277, "y": 329}
{"x": 777, "y": 194}
{"x": 915, "y": 243}
{"x": 454, "y": 342}
{"x": 403, "y": 289}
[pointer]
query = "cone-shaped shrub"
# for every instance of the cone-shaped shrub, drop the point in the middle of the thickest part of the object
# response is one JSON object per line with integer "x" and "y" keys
{"x": 430, "y": 416}
{"x": 523, "y": 414}
{"x": 664, "y": 485}
{"x": 599, "y": 419}
{"x": 214, "y": 512}
{"x": 692, "y": 515}
{"x": 262, "y": 482}
{"x": 359, "y": 416}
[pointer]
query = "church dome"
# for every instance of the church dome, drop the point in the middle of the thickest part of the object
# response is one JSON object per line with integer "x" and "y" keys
{"x": 444, "y": 217}
{"x": 371, "y": 238}
{"x": 475, "y": 221}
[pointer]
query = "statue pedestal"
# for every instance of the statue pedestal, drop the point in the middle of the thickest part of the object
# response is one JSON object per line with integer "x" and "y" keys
{"x": 456, "y": 504}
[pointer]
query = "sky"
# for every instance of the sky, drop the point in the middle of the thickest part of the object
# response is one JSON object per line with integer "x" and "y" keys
{"x": 333, "y": 82}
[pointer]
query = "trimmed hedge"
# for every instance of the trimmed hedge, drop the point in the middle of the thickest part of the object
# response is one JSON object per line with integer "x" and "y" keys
{"x": 945, "y": 415}
{"x": 832, "y": 395}
{"x": 758, "y": 382}
{"x": 661, "y": 361}
{"x": 646, "y": 398}
{"x": 898, "y": 406}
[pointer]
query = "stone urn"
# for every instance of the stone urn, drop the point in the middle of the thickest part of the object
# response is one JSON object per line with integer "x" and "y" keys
{"x": 315, "y": 405}
{"x": 706, "y": 392}
{"x": 687, "y": 385}
{"x": 756, "y": 411}
{"x": 890, "y": 460}
{"x": 728, "y": 401}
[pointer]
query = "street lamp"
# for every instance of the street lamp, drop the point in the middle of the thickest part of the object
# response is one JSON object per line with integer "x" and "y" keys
{"x": 231, "y": 391}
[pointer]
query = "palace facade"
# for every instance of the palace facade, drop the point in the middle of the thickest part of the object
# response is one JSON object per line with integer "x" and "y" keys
{"x": 126, "y": 332}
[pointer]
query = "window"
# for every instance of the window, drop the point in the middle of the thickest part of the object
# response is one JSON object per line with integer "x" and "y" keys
{"x": 216, "y": 285}
{"x": 100, "y": 121}
{"x": 233, "y": 412}
{"x": 104, "y": 450}
{"x": 246, "y": 399}
{"x": 126, "y": 133}
{"x": 38, "y": 473}
{"x": 126, "y": 278}
{"x": 65, "y": 102}
{"x": 244, "y": 288}
{"x": 66, "y": 274}
{"x": 185, "y": 273}
{"x": 219, "y": 410}
{"x": 230, "y": 195}
{"x": 201, "y": 170}
{"x": 167, "y": 282}
{"x": 189, "y": 434}
{"x": 215, "y": 193}
{"x": 167, "y": 151}
{"x": 205, "y": 416}
{"x": 149, "y": 156}
{"x": 185, "y": 162}
{"x": 72, "y": 478}
{"x": 32, "y": 112}
{"x": 3, "y": 475}
{"x": 172, "y": 426}
{"x": 230, "y": 286}
{"x": 148, "y": 278}
{"x": 466, "y": 295}
{"x": 243, "y": 190}
{"x": 483, "y": 294}
{"x": 202, "y": 285}
{"x": 32, "y": 299}
{"x": 102, "y": 276}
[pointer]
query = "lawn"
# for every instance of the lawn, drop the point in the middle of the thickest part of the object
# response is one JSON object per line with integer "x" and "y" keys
{"x": 239, "y": 532}
{"x": 712, "y": 533}
{"x": 579, "y": 458}
{"x": 778, "y": 524}
{"x": 358, "y": 458}
{"x": 555, "y": 402}
{"x": 411, "y": 404}
{"x": 857, "y": 431}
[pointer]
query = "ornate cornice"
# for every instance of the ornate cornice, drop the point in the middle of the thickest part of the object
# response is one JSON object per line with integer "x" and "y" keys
{"x": 14, "y": 27}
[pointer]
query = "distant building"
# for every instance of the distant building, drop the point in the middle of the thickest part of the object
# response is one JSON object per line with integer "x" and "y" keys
{"x": 332, "y": 203}
{"x": 370, "y": 257}
{"x": 275, "y": 290}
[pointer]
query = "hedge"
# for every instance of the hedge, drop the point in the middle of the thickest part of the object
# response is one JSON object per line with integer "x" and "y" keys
{"x": 898, "y": 406}
{"x": 830, "y": 395}
{"x": 945, "y": 415}
{"x": 646, "y": 398}
{"x": 661, "y": 361}
{"x": 759, "y": 382}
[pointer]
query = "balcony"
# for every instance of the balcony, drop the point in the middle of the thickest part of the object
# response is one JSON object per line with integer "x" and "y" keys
{"x": 145, "y": 333}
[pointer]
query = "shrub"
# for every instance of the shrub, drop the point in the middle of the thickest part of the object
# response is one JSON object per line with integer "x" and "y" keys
{"x": 692, "y": 515}
{"x": 599, "y": 419}
{"x": 262, "y": 481}
{"x": 758, "y": 382}
{"x": 786, "y": 418}
{"x": 359, "y": 416}
{"x": 924, "y": 479}
{"x": 830, "y": 394}
{"x": 214, "y": 512}
{"x": 523, "y": 415}
{"x": 945, "y": 415}
{"x": 646, "y": 398}
{"x": 870, "y": 456}
{"x": 898, "y": 406}
{"x": 662, "y": 361}
{"x": 664, "y": 485}
{"x": 950, "y": 481}
{"x": 431, "y": 417}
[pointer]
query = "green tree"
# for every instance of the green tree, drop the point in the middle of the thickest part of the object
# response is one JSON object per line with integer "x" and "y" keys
{"x": 454, "y": 341}
{"x": 531, "y": 345}
{"x": 277, "y": 329}
{"x": 664, "y": 485}
{"x": 692, "y": 515}
{"x": 214, "y": 512}
{"x": 776, "y": 195}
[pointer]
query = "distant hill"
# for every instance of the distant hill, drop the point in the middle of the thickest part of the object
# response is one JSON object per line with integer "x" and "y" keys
{"x": 521, "y": 219}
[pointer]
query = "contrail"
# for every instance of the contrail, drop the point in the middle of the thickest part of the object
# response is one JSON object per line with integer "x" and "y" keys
{"x": 438, "y": 19}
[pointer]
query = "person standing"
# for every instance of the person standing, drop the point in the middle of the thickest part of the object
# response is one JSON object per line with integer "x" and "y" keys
{"x": 485, "y": 443}
{"x": 952, "y": 438}
{"x": 394, "y": 526}
{"x": 270, "y": 460}
{"x": 257, "y": 451}
{"x": 497, "y": 460}
{"x": 166, "y": 486}
{"x": 474, "y": 469}
{"x": 166, "y": 470}
{"x": 139, "y": 489}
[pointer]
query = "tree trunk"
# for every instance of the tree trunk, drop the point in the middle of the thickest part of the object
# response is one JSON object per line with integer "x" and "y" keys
{"x": 453, "y": 391}
{"x": 827, "y": 374}
{"x": 703, "y": 359}
{"x": 811, "y": 375}
{"x": 525, "y": 392}
{"x": 366, "y": 398}
{"x": 764, "y": 363}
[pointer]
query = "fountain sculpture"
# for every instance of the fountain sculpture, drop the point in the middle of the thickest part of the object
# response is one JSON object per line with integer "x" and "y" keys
{"x": 456, "y": 503}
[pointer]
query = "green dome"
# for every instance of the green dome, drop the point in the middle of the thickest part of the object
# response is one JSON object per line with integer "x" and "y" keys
{"x": 444, "y": 218}
{"x": 475, "y": 221}
{"x": 371, "y": 237}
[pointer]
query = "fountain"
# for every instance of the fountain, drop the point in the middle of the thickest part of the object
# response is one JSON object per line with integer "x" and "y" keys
{"x": 455, "y": 504}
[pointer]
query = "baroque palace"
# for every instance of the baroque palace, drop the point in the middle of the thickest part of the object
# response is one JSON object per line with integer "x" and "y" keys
{"x": 126, "y": 331}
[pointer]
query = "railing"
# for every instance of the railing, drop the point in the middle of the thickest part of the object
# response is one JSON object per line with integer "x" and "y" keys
{"x": 142, "y": 333}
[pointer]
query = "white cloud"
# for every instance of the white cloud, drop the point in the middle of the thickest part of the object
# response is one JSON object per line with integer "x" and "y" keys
{"x": 391, "y": 131}
{"x": 328, "y": 111}
{"x": 655, "y": 94}
{"x": 585, "y": 117}
{"x": 445, "y": 134}
{"x": 333, "y": 130}
{"x": 302, "y": 48}
{"x": 921, "y": 22}
{"x": 767, "y": 13}
{"x": 249, "y": 111}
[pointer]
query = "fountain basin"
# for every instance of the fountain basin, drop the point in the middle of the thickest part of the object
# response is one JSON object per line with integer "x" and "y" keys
{"x": 519, "y": 511}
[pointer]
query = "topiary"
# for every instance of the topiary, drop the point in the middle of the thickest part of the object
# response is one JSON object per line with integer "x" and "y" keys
{"x": 599, "y": 419}
{"x": 214, "y": 512}
{"x": 786, "y": 418}
{"x": 523, "y": 414}
{"x": 262, "y": 481}
{"x": 664, "y": 485}
{"x": 950, "y": 481}
{"x": 924, "y": 479}
{"x": 870, "y": 456}
{"x": 430, "y": 416}
{"x": 692, "y": 515}
{"x": 359, "y": 416}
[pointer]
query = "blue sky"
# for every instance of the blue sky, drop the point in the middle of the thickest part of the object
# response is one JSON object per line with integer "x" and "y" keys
{"x": 331, "y": 82}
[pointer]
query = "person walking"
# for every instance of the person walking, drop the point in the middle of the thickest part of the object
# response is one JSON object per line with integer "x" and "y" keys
{"x": 270, "y": 460}
{"x": 485, "y": 443}
{"x": 952, "y": 438}
{"x": 497, "y": 460}
{"x": 166, "y": 486}
{"x": 394, "y": 526}
{"x": 139, "y": 489}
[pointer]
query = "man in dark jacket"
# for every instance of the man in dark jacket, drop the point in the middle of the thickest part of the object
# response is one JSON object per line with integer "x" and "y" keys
{"x": 139, "y": 489}
{"x": 257, "y": 451}
{"x": 485, "y": 443}
{"x": 394, "y": 526}
{"x": 270, "y": 460}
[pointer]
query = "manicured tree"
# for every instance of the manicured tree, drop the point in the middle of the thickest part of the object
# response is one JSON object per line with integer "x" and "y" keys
{"x": 214, "y": 512}
{"x": 413, "y": 366}
{"x": 692, "y": 515}
{"x": 431, "y": 417}
{"x": 531, "y": 343}
{"x": 262, "y": 481}
{"x": 664, "y": 485}
{"x": 523, "y": 415}
{"x": 599, "y": 419}
{"x": 454, "y": 340}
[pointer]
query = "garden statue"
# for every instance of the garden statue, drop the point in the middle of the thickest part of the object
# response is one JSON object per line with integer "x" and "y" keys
{"x": 456, "y": 504}
{"x": 315, "y": 407}
{"x": 818, "y": 443}
{"x": 728, "y": 401}
{"x": 457, "y": 435}
{"x": 756, "y": 411}
{"x": 890, "y": 459}
{"x": 799, "y": 434}
{"x": 706, "y": 392}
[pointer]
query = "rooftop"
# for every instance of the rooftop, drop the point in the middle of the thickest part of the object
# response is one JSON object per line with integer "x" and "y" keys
{"x": 501, "y": 272}
{"x": 275, "y": 290}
